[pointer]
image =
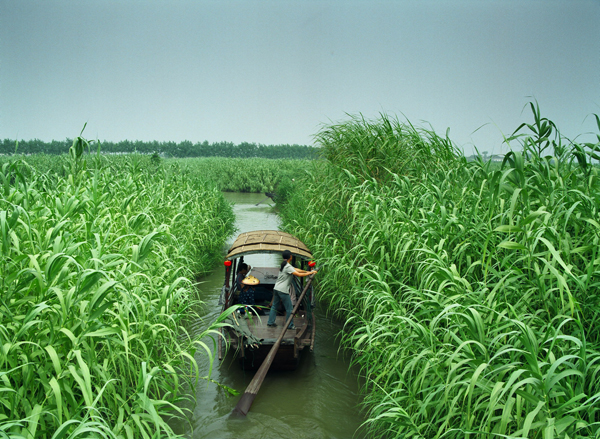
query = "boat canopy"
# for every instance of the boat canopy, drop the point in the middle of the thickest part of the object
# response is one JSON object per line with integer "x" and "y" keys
{"x": 267, "y": 241}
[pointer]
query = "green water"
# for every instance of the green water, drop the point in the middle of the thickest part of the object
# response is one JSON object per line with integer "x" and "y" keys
{"x": 320, "y": 399}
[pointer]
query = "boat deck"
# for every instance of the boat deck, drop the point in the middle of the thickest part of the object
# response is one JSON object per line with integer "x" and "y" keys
{"x": 251, "y": 355}
{"x": 257, "y": 325}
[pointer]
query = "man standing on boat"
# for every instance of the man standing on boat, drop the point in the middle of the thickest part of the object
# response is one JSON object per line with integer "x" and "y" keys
{"x": 282, "y": 288}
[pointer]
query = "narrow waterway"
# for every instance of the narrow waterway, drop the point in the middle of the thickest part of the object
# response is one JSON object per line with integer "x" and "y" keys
{"x": 318, "y": 400}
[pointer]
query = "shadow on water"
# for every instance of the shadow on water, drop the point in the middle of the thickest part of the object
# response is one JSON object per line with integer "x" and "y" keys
{"x": 320, "y": 399}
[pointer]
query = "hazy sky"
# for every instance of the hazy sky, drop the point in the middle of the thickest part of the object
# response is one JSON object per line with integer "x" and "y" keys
{"x": 274, "y": 71}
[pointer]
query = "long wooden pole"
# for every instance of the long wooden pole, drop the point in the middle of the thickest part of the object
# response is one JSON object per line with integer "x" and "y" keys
{"x": 243, "y": 405}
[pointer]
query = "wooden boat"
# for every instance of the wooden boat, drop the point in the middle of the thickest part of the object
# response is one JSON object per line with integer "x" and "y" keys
{"x": 249, "y": 336}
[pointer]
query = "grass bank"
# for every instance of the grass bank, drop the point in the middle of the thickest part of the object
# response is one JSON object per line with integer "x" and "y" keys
{"x": 471, "y": 292}
{"x": 97, "y": 264}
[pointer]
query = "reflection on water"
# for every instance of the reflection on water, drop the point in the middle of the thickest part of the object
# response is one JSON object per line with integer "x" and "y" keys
{"x": 318, "y": 400}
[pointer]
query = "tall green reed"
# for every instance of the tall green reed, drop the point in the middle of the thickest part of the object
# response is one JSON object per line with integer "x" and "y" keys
{"x": 469, "y": 291}
{"x": 97, "y": 265}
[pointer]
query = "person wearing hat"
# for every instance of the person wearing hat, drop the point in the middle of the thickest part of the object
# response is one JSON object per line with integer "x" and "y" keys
{"x": 282, "y": 288}
{"x": 247, "y": 292}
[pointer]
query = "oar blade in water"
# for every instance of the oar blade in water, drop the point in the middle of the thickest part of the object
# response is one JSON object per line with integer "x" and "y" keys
{"x": 244, "y": 404}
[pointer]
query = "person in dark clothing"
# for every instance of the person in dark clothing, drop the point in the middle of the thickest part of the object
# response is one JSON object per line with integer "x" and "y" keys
{"x": 245, "y": 286}
{"x": 242, "y": 272}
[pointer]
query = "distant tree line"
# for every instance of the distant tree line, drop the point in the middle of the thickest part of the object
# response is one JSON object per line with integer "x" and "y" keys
{"x": 169, "y": 149}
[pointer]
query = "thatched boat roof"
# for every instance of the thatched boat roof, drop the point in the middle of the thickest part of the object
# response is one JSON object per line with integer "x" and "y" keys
{"x": 267, "y": 241}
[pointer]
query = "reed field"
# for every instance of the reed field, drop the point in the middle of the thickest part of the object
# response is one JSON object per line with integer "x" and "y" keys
{"x": 98, "y": 260}
{"x": 245, "y": 174}
{"x": 227, "y": 174}
{"x": 470, "y": 290}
